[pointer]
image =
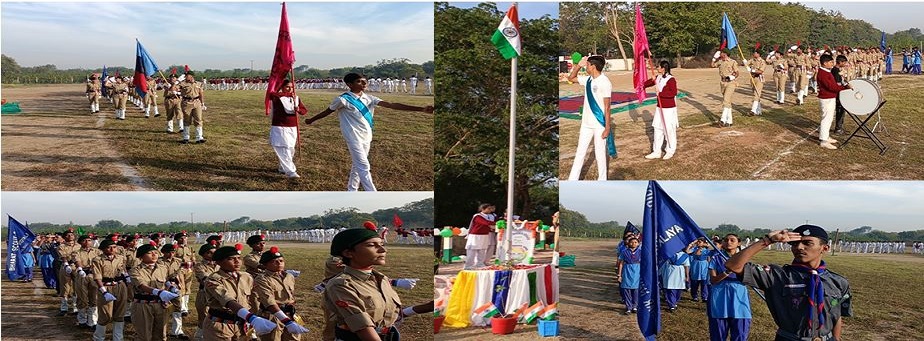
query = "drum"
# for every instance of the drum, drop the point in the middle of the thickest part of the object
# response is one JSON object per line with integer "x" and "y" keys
{"x": 863, "y": 99}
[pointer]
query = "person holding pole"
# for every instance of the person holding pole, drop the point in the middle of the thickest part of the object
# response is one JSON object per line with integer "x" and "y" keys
{"x": 286, "y": 107}
{"x": 665, "y": 121}
{"x": 595, "y": 118}
{"x": 479, "y": 237}
{"x": 756, "y": 67}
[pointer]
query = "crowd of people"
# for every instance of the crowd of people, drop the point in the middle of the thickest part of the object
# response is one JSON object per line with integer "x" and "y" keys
{"x": 376, "y": 84}
{"x": 147, "y": 282}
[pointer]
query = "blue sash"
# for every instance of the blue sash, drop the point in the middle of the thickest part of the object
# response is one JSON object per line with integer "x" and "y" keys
{"x": 601, "y": 117}
{"x": 678, "y": 259}
{"x": 359, "y": 106}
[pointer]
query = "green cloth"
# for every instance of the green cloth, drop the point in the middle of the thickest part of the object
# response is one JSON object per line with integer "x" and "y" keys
{"x": 11, "y": 108}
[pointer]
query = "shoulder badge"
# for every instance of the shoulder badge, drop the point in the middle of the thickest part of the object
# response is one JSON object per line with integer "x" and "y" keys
{"x": 342, "y": 304}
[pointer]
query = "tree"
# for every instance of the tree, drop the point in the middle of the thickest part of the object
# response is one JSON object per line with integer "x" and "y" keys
{"x": 109, "y": 224}
{"x": 724, "y": 229}
{"x": 10, "y": 69}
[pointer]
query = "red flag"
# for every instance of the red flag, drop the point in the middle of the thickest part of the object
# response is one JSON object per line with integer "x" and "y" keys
{"x": 757, "y": 47}
{"x": 283, "y": 61}
{"x": 397, "y": 221}
{"x": 173, "y": 72}
{"x": 640, "y": 75}
{"x": 798, "y": 43}
{"x": 186, "y": 68}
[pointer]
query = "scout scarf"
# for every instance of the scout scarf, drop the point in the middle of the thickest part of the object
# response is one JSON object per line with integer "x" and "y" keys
{"x": 816, "y": 292}
{"x": 631, "y": 257}
{"x": 704, "y": 255}
{"x": 601, "y": 118}
{"x": 678, "y": 258}
{"x": 359, "y": 106}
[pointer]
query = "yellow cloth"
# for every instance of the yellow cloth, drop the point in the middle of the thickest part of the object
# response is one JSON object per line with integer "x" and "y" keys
{"x": 458, "y": 312}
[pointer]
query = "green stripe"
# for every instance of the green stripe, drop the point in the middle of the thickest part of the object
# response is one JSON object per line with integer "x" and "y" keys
{"x": 502, "y": 45}
{"x": 532, "y": 288}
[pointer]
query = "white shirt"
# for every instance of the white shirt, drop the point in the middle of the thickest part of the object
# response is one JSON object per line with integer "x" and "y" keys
{"x": 601, "y": 88}
{"x": 352, "y": 123}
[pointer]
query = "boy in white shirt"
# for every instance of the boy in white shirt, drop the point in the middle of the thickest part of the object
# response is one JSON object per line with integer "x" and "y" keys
{"x": 591, "y": 128}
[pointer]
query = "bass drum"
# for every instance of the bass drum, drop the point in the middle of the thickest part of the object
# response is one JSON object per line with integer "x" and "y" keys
{"x": 863, "y": 99}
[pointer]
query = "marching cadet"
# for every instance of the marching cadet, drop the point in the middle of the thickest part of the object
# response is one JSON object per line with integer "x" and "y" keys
{"x": 811, "y": 71}
{"x": 756, "y": 66}
{"x": 152, "y": 294}
{"x": 202, "y": 270}
{"x": 791, "y": 68}
{"x": 177, "y": 285}
{"x": 229, "y": 298}
{"x": 150, "y": 99}
{"x": 728, "y": 73}
{"x": 187, "y": 258}
{"x": 66, "y": 253}
{"x": 806, "y": 300}
{"x": 120, "y": 96}
{"x": 172, "y": 100}
{"x": 801, "y": 75}
{"x": 192, "y": 105}
{"x": 252, "y": 261}
{"x": 131, "y": 261}
{"x": 333, "y": 266}
{"x": 109, "y": 274}
{"x": 779, "y": 75}
{"x": 275, "y": 291}
{"x": 361, "y": 300}
{"x": 93, "y": 93}
{"x": 84, "y": 285}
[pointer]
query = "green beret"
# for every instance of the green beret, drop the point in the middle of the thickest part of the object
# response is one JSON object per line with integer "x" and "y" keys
{"x": 144, "y": 249}
{"x": 205, "y": 248}
{"x": 349, "y": 238}
{"x": 270, "y": 255}
{"x": 82, "y": 238}
{"x": 255, "y": 239}
{"x": 225, "y": 252}
{"x": 167, "y": 248}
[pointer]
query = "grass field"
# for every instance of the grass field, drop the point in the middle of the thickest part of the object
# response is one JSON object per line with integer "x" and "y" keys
{"x": 887, "y": 291}
{"x": 307, "y": 257}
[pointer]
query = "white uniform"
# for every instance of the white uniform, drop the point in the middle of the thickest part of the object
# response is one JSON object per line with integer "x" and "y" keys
{"x": 591, "y": 130}
{"x": 358, "y": 135}
{"x": 283, "y": 139}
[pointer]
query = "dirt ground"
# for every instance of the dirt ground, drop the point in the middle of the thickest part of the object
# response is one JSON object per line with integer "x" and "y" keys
{"x": 55, "y": 144}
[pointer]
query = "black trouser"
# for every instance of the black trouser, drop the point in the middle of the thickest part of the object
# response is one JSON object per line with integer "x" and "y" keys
{"x": 838, "y": 115}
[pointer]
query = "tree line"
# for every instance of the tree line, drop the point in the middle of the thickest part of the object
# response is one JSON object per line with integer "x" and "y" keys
{"x": 576, "y": 224}
{"x": 13, "y": 73}
{"x": 687, "y": 29}
{"x": 418, "y": 214}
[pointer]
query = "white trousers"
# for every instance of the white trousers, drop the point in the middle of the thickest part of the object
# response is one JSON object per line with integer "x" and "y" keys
{"x": 285, "y": 155}
{"x": 665, "y": 122}
{"x": 361, "y": 169}
{"x": 474, "y": 258}
{"x": 828, "y": 106}
{"x": 588, "y": 135}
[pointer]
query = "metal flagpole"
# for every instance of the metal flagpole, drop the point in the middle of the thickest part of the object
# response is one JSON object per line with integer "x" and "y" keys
{"x": 510, "y": 155}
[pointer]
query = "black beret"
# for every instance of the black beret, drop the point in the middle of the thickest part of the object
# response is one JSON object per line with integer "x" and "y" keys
{"x": 105, "y": 243}
{"x": 179, "y": 235}
{"x": 812, "y": 231}
{"x": 270, "y": 255}
{"x": 206, "y": 247}
{"x": 214, "y": 237}
{"x": 82, "y": 238}
{"x": 225, "y": 252}
{"x": 254, "y": 239}
{"x": 349, "y": 238}
{"x": 167, "y": 248}
{"x": 144, "y": 249}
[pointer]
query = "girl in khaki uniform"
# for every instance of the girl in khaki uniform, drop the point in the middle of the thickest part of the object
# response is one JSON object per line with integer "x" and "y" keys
{"x": 728, "y": 75}
{"x": 191, "y": 93}
{"x": 120, "y": 96}
{"x": 275, "y": 291}
{"x": 177, "y": 285}
{"x": 202, "y": 270}
{"x": 93, "y": 93}
{"x": 150, "y": 99}
{"x": 756, "y": 66}
{"x": 172, "y": 100}
{"x": 230, "y": 299}
{"x": 151, "y": 295}
{"x": 109, "y": 273}
{"x": 187, "y": 258}
{"x": 84, "y": 284}
{"x": 780, "y": 75}
{"x": 66, "y": 274}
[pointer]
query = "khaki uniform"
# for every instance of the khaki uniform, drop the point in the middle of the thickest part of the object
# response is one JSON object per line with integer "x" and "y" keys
{"x": 202, "y": 271}
{"x": 93, "y": 91}
{"x": 110, "y": 271}
{"x": 780, "y": 74}
{"x": 757, "y": 71}
{"x": 151, "y": 97}
{"x": 174, "y": 268}
{"x": 356, "y": 300}
{"x": 802, "y": 64}
{"x": 65, "y": 280}
{"x": 120, "y": 95}
{"x": 85, "y": 286}
{"x": 191, "y": 93}
{"x": 727, "y": 69}
{"x": 187, "y": 259}
{"x": 332, "y": 267}
{"x": 252, "y": 263}
{"x": 148, "y": 314}
{"x": 220, "y": 288}
{"x": 172, "y": 100}
{"x": 791, "y": 70}
{"x": 275, "y": 289}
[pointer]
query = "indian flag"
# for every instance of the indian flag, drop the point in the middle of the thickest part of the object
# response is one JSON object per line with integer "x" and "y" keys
{"x": 533, "y": 312}
{"x": 507, "y": 36}
{"x": 550, "y": 312}
{"x": 486, "y": 311}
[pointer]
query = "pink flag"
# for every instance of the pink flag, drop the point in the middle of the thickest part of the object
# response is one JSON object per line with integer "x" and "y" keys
{"x": 283, "y": 61}
{"x": 640, "y": 74}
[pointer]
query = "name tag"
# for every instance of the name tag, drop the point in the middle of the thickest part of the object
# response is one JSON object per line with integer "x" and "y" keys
{"x": 795, "y": 285}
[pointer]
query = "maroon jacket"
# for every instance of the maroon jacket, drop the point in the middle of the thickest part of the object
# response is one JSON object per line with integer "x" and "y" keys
{"x": 280, "y": 118}
{"x": 666, "y": 96}
{"x": 827, "y": 87}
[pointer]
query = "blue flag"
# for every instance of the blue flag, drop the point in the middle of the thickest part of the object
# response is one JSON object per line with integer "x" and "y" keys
{"x": 668, "y": 229}
{"x": 144, "y": 67}
{"x": 19, "y": 240}
{"x": 729, "y": 39}
{"x": 102, "y": 81}
{"x": 630, "y": 228}
{"x": 501, "y": 288}
{"x": 882, "y": 42}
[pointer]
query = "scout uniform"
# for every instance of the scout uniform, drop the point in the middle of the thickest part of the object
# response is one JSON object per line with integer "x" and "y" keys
{"x": 85, "y": 285}
{"x": 110, "y": 271}
{"x": 814, "y": 63}
{"x": 780, "y": 76}
{"x": 178, "y": 283}
{"x": 120, "y": 93}
{"x": 252, "y": 260}
{"x": 202, "y": 270}
{"x": 357, "y": 299}
{"x": 187, "y": 258}
{"x": 791, "y": 70}
{"x": 93, "y": 93}
{"x": 802, "y": 63}
{"x": 728, "y": 70}
{"x": 333, "y": 266}
{"x": 790, "y": 289}
{"x": 276, "y": 289}
{"x": 222, "y": 287}
{"x": 674, "y": 277}
{"x": 172, "y": 100}
{"x": 191, "y": 92}
{"x": 756, "y": 67}
{"x": 65, "y": 278}
{"x": 729, "y": 307}
{"x": 150, "y": 98}
{"x": 148, "y": 310}
{"x": 131, "y": 261}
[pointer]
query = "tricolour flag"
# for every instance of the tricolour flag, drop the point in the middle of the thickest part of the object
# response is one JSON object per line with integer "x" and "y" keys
{"x": 640, "y": 47}
{"x": 532, "y": 313}
{"x": 144, "y": 68}
{"x": 485, "y": 312}
{"x": 550, "y": 312}
{"x": 16, "y": 243}
{"x": 729, "y": 39}
{"x": 283, "y": 61}
{"x": 668, "y": 229}
{"x": 507, "y": 36}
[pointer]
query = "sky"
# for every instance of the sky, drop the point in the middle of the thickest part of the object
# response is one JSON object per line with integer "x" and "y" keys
{"x": 163, "y": 207}
{"x": 887, "y": 16}
{"x": 526, "y": 10}
{"x": 887, "y": 206}
{"x": 214, "y": 35}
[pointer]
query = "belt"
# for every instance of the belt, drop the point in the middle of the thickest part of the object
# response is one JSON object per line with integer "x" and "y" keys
{"x": 785, "y": 335}
{"x": 386, "y": 334}
{"x": 113, "y": 280}
{"x": 224, "y": 317}
{"x": 189, "y": 98}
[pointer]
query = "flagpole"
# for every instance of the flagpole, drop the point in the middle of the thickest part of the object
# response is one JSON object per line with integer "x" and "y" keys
{"x": 512, "y": 145}
{"x": 745, "y": 63}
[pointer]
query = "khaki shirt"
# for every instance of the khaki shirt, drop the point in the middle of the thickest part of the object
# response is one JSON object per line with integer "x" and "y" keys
{"x": 84, "y": 258}
{"x": 252, "y": 263}
{"x": 152, "y": 85}
{"x": 93, "y": 86}
{"x": 727, "y": 67}
{"x": 170, "y": 94}
{"x": 802, "y": 60}
{"x": 332, "y": 267}
{"x": 221, "y": 288}
{"x": 173, "y": 268}
{"x": 130, "y": 260}
{"x": 202, "y": 270}
{"x": 354, "y": 301}
{"x": 190, "y": 90}
{"x": 757, "y": 66}
{"x": 104, "y": 267}
{"x": 154, "y": 276}
{"x": 120, "y": 88}
{"x": 186, "y": 255}
{"x": 274, "y": 289}
{"x": 67, "y": 251}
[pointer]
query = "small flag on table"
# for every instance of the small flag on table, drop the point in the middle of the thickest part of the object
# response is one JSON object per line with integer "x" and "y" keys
{"x": 481, "y": 315}
{"x": 550, "y": 312}
{"x": 533, "y": 312}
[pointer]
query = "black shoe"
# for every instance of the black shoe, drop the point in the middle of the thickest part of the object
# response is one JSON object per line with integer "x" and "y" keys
{"x": 184, "y": 141}
{"x": 93, "y": 327}
{"x": 73, "y": 313}
{"x": 626, "y": 312}
{"x": 200, "y": 141}
{"x": 185, "y": 313}
{"x": 156, "y": 115}
{"x": 128, "y": 319}
{"x": 182, "y": 337}
{"x": 62, "y": 313}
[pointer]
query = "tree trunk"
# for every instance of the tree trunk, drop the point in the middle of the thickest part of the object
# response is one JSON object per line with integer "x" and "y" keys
{"x": 614, "y": 31}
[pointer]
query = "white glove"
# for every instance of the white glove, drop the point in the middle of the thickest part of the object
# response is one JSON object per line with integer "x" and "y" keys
{"x": 296, "y": 328}
{"x": 204, "y": 107}
{"x": 81, "y": 272}
{"x": 731, "y": 77}
{"x": 109, "y": 297}
{"x": 320, "y": 287}
{"x": 68, "y": 270}
{"x": 717, "y": 55}
{"x": 164, "y": 295}
{"x": 406, "y": 283}
{"x": 128, "y": 279}
{"x": 260, "y": 325}
{"x": 294, "y": 273}
{"x": 749, "y": 69}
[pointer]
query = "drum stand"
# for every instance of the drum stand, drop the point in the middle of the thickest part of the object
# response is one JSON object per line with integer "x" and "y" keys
{"x": 869, "y": 132}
